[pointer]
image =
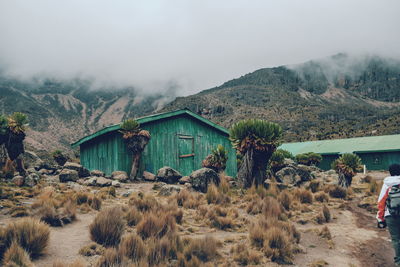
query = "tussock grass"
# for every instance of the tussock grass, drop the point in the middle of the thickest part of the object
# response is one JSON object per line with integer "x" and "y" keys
{"x": 327, "y": 214}
{"x": 108, "y": 227}
{"x": 215, "y": 196}
{"x": 325, "y": 233}
{"x": 285, "y": 198}
{"x": 271, "y": 208}
{"x": 95, "y": 202}
{"x": 29, "y": 233}
{"x": 110, "y": 258}
{"x": 133, "y": 216}
{"x": 156, "y": 225}
{"x": 144, "y": 203}
{"x": 92, "y": 249}
{"x": 188, "y": 200}
{"x": 336, "y": 191}
{"x": 314, "y": 186}
{"x": 132, "y": 247}
{"x": 321, "y": 197}
{"x": 16, "y": 256}
{"x": 277, "y": 246}
{"x": 303, "y": 195}
{"x": 205, "y": 249}
{"x": 245, "y": 256}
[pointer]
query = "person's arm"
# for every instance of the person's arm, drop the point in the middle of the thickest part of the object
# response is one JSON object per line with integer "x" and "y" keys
{"x": 380, "y": 216}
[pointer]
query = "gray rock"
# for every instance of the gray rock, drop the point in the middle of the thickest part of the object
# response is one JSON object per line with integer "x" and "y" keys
{"x": 288, "y": 162}
{"x": 127, "y": 193}
{"x": 31, "y": 170}
{"x": 184, "y": 180}
{"x": 68, "y": 175}
{"x": 97, "y": 173}
{"x": 18, "y": 180}
{"x": 200, "y": 179}
{"x": 46, "y": 172}
{"x": 168, "y": 190}
{"x": 32, "y": 179}
{"x": 120, "y": 176}
{"x": 31, "y": 159}
{"x": 168, "y": 175}
{"x": 90, "y": 181}
{"x": 158, "y": 186}
{"x": 82, "y": 171}
{"x": 101, "y": 181}
{"x": 116, "y": 184}
{"x": 148, "y": 176}
{"x": 288, "y": 175}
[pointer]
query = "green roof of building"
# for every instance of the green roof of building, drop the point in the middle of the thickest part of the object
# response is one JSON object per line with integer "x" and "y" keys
{"x": 384, "y": 143}
{"x": 151, "y": 118}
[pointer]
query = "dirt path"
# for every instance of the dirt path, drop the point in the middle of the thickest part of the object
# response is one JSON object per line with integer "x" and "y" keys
{"x": 376, "y": 251}
{"x": 66, "y": 241}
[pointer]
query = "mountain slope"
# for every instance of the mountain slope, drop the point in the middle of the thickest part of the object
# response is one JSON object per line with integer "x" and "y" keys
{"x": 337, "y": 97}
{"x": 62, "y": 112}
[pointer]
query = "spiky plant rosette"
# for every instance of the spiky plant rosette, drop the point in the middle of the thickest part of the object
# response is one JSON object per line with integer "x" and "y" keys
{"x": 17, "y": 122}
{"x": 348, "y": 164}
{"x": 217, "y": 159}
{"x": 135, "y": 138}
{"x": 129, "y": 128}
{"x": 255, "y": 134}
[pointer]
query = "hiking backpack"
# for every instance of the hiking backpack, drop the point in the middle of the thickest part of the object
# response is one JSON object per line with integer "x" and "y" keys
{"x": 393, "y": 200}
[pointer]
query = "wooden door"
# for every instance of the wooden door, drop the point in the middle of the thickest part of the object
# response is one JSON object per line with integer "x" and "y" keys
{"x": 186, "y": 154}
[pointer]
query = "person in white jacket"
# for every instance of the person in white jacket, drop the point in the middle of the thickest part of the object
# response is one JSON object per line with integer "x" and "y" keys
{"x": 383, "y": 216}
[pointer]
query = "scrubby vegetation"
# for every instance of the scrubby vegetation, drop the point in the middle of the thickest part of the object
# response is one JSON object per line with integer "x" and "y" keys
{"x": 217, "y": 159}
{"x": 309, "y": 158}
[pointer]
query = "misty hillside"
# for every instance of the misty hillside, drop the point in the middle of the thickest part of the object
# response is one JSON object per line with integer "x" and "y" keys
{"x": 62, "y": 112}
{"x": 336, "y": 97}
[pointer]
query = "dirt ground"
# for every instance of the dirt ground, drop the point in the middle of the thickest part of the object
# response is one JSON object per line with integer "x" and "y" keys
{"x": 356, "y": 241}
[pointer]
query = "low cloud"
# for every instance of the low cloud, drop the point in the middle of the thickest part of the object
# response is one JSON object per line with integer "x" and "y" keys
{"x": 194, "y": 45}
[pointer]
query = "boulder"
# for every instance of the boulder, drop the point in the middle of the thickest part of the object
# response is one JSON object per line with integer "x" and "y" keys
{"x": 91, "y": 181}
{"x": 115, "y": 184}
{"x": 200, "y": 179}
{"x": 168, "y": 190}
{"x": 68, "y": 175}
{"x": 288, "y": 175}
{"x": 97, "y": 173}
{"x": 18, "y": 180}
{"x": 120, "y": 176}
{"x": 184, "y": 180}
{"x": 158, "y": 186}
{"x": 148, "y": 176}
{"x": 168, "y": 175}
{"x": 101, "y": 181}
{"x": 46, "y": 172}
{"x": 31, "y": 159}
{"x": 32, "y": 179}
{"x": 82, "y": 171}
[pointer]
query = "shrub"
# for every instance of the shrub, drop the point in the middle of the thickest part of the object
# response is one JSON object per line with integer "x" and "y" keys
{"x": 285, "y": 199}
{"x": 217, "y": 159}
{"x": 59, "y": 157}
{"x": 81, "y": 197}
{"x": 31, "y": 234}
{"x": 304, "y": 195}
{"x": 205, "y": 249}
{"x": 326, "y": 213}
{"x": 337, "y": 191}
{"x": 133, "y": 247}
{"x": 367, "y": 179}
{"x": 277, "y": 246}
{"x": 16, "y": 256}
{"x": 108, "y": 227}
{"x": 321, "y": 197}
{"x": 309, "y": 158}
{"x": 111, "y": 258}
{"x": 133, "y": 216}
{"x": 49, "y": 215}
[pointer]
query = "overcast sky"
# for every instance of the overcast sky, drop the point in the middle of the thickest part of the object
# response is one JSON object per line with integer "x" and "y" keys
{"x": 196, "y": 44}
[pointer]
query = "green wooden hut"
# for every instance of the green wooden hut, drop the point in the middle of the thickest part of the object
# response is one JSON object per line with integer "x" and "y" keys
{"x": 180, "y": 139}
{"x": 376, "y": 152}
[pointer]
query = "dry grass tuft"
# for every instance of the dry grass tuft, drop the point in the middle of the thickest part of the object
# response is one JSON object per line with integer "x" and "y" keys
{"x": 367, "y": 179}
{"x": 303, "y": 195}
{"x": 133, "y": 247}
{"x": 373, "y": 187}
{"x": 188, "y": 200}
{"x": 133, "y": 216}
{"x": 16, "y": 256}
{"x": 314, "y": 186}
{"x": 205, "y": 249}
{"x": 285, "y": 198}
{"x": 256, "y": 235}
{"x": 31, "y": 234}
{"x": 92, "y": 249}
{"x": 325, "y": 233}
{"x": 277, "y": 246}
{"x": 18, "y": 211}
{"x": 271, "y": 208}
{"x": 336, "y": 191}
{"x": 327, "y": 214}
{"x": 144, "y": 203}
{"x": 108, "y": 227}
{"x": 223, "y": 186}
{"x": 244, "y": 256}
{"x": 111, "y": 258}
{"x": 95, "y": 202}
{"x": 156, "y": 225}
{"x": 81, "y": 197}
{"x": 321, "y": 197}
{"x": 215, "y": 196}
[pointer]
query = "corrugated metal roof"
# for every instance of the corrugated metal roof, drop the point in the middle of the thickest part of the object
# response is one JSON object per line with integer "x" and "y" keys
{"x": 151, "y": 118}
{"x": 382, "y": 143}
